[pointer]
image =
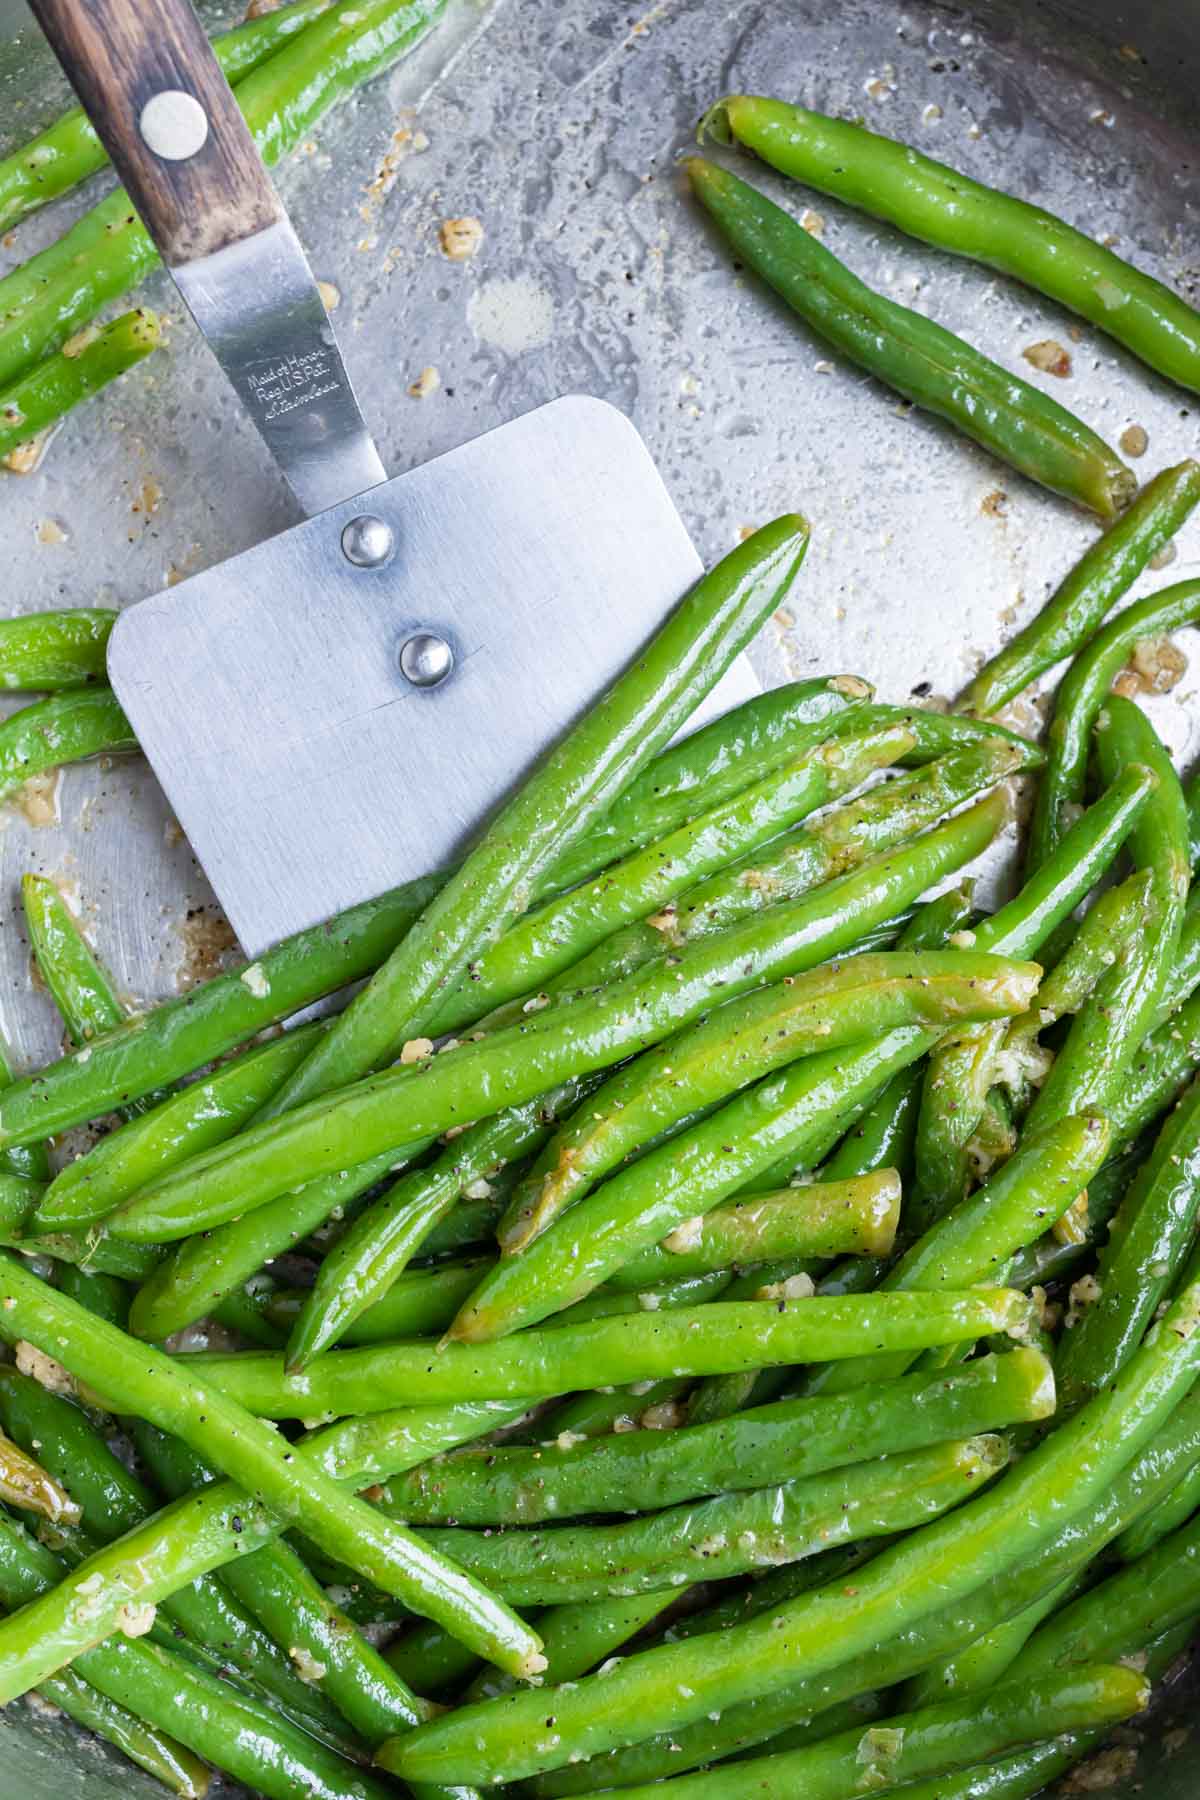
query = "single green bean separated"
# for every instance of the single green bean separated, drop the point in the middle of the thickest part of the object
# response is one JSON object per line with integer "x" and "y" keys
{"x": 50, "y": 651}
{"x": 941, "y": 206}
{"x": 64, "y": 728}
{"x": 917, "y": 358}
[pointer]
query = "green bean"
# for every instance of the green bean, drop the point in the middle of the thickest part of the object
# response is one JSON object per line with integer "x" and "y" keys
{"x": 963, "y": 1068}
{"x": 28, "y": 1162}
{"x": 728, "y": 1049}
{"x": 942, "y": 207}
{"x": 26, "y": 1484}
{"x": 939, "y": 733}
{"x": 712, "y": 764}
{"x": 840, "y": 1218}
{"x": 205, "y": 1113}
{"x": 108, "y": 251}
{"x": 64, "y": 728}
{"x": 67, "y": 152}
{"x": 1156, "y": 1074}
{"x": 974, "y": 1242}
{"x": 713, "y": 1159}
{"x": 43, "y": 394}
{"x": 1077, "y": 607}
{"x": 113, "y": 1502}
{"x": 514, "y": 1065}
{"x": 231, "y": 1730}
{"x": 916, "y": 357}
{"x": 1082, "y": 696}
{"x": 579, "y": 779}
{"x": 1091, "y": 1066}
{"x": 668, "y": 1688}
{"x": 276, "y": 1588}
{"x": 381, "y": 1242}
{"x": 1119, "y": 914}
{"x": 577, "y": 1638}
{"x": 150, "y": 1749}
{"x": 1117, "y": 1616}
{"x": 1148, "y": 1240}
{"x": 729, "y": 1535}
{"x": 980, "y": 1665}
{"x": 638, "y": 1470}
{"x": 882, "y": 819}
{"x": 1050, "y": 1258}
{"x": 1173, "y": 1510}
{"x": 559, "y": 933}
{"x": 709, "y": 1340}
{"x": 419, "y": 1303}
{"x": 54, "y": 650}
{"x": 935, "y": 1740}
{"x": 141, "y": 1380}
{"x": 204, "y": 1269}
{"x": 1066, "y": 1553}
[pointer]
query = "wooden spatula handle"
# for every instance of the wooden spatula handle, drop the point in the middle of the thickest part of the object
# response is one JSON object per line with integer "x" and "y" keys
{"x": 147, "y": 78}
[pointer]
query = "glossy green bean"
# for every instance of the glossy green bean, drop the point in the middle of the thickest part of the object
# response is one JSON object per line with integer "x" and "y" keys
{"x": 938, "y": 733}
{"x": 1070, "y": 1547}
{"x": 728, "y": 1535}
{"x": 668, "y": 1688}
{"x": 179, "y": 1771}
{"x": 852, "y": 1218}
{"x": 1050, "y": 1258}
{"x": 113, "y": 1501}
{"x": 44, "y": 394}
{"x": 941, "y": 206}
{"x": 516, "y": 1064}
{"x": 108, "y": 251}
{"x": 276, "y": 1588}
{"x": 1156, "y": 1074}
{"x": 204, "y": 1113}
{"x": 1117, "y": 1616}
{"x": 978, "y": 1666}
{"x": 884, "y": 818}
{"x": 639, "y": 1470}
{"x": 544, "y": 942}
{"x": 1025, "y": 1195}
{"x": 714, "y": 763}
{"x": 963, "y": 1068}
{"x": 1082, "y": 697}
{"x": 939, "y": 1738}
{"x": 1172, "y": 1511}
{"x": 1106, "y": 1032}
{"x": 204, "y": 1269}
{"x": 707, "y": 1340}
{"x": 713, "y": 1159}
{"x": 419, "y": 1303}
{"x": 25, "y": 1484}
{"x": 28, "y": 1162}
{"x": 1077, "y": 607}
{"x": 685, "y": 1077}
{"x": 68, "y": 151}
{"x": 385, "y": 1237}
{"x": 577, "y": 1638}
{"x": 64, "y": 728}
{"x": 915, "y": 357}
{"x": 237, "y": 1734}
{"x": 1148, "y": 1239}
{"x": 50, "y": 651}
{"x": 579, "y": 779}
{"x": 140, "y": 1380}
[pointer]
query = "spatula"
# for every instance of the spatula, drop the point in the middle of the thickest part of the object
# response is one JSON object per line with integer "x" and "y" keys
{"x": 338, "y": 708}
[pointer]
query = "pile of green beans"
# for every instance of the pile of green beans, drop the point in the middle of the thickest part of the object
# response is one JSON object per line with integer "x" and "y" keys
{"x": 727, "y": 1309}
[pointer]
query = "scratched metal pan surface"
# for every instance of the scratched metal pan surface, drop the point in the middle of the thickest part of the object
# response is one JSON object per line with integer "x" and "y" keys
{"x": 557, "y": 127}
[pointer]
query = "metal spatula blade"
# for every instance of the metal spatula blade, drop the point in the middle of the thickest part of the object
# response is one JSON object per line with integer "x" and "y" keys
{"x": 307, "y": 771}
{"x": 339, "y": 708}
